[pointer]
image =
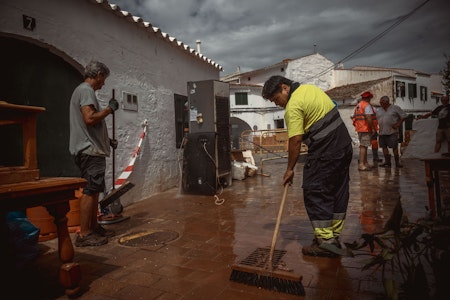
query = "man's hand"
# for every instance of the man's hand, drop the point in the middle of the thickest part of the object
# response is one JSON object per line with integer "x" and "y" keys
{"x": 288, "y": 177}
{"x": 113, "y": 104}
{"x": 374, "y": 136}
{"x": 113, "y": 143}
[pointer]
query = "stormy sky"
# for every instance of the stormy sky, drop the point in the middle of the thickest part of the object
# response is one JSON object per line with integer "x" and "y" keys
{"x": 253, "y": 34}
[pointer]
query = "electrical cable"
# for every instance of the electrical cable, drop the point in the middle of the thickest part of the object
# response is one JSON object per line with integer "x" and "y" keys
{"x": 217, "y": 200}
{"x": 180, "y": 163}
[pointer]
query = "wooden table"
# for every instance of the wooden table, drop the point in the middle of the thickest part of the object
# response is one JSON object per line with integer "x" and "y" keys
{"x": 54, "y": 194}
{"x": 432, "y": 168}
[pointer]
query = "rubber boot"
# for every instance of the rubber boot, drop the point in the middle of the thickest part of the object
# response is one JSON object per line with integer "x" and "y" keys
{"x": 335, "y": 246}
{"x": 387, "y": 161}
{"x": 376, "y": 158}
{"x": 397, "y": 162}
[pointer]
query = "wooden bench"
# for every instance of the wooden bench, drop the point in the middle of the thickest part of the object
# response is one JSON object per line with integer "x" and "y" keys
{"x": 21, "y": 187}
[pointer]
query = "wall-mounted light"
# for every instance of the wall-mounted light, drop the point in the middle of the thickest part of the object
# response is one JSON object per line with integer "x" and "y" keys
{"x": 199, "y": 118}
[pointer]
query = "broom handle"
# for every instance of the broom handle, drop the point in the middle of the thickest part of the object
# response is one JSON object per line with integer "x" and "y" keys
{"x": 113, "y": 150}
{"x": 277, "y": 226}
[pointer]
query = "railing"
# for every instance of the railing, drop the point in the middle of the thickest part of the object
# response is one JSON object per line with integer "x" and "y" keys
{"x": 268, "y": 144}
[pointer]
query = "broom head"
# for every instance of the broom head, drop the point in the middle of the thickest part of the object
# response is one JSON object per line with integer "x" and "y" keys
{"x": 252, "y": 271}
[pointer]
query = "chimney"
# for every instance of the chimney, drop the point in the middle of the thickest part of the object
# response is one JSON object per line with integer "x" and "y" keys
{"x": 199, "y": 42}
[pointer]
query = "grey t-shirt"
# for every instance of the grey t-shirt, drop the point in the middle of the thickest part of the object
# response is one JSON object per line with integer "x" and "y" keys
{"x": 92, "y": 140}
{"x": 387, "y": 118}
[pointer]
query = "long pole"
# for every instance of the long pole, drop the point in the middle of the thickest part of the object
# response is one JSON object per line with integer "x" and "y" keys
{"x": 113, "y": 150}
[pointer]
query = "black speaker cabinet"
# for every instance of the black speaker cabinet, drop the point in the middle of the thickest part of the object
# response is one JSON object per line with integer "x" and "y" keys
{"x": 199, "y": 164}
{"x": 207, "y": 153}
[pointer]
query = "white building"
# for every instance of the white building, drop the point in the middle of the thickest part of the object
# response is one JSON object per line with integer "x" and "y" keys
{"x": 415, "y": 92}
{"x": 45, "y": 46}
{"x": 249, "y": 111}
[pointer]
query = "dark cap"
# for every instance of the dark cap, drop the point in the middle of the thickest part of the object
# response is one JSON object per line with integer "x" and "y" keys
{"x": 366, "y": 95}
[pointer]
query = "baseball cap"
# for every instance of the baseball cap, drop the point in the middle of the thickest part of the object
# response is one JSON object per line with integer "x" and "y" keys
{"x": 366, "y": 95}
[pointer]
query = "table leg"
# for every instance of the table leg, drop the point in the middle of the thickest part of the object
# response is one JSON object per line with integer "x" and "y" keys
{"x": 430, "y": 184}
{"x": 437, "y": 188}
{"x": 69, "y": 272}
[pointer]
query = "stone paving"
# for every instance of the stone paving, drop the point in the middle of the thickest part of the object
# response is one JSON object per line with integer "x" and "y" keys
{"x": 203, "y": 240}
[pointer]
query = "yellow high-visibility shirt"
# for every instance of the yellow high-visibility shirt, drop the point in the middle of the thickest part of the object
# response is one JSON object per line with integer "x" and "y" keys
{"x": 307, "y": 105}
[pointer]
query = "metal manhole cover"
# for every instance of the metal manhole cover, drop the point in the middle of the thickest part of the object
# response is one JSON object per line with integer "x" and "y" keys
{"x": 148, "y": 238}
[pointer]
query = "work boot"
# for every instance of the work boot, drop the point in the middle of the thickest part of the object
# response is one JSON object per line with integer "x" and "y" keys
{"x": 397, "y": 162}
{"x": 316, "y": 250}
{"x": 376, "y": 158}
{"x": 92, "y": 239}
{"x": 335, "y": 246}
{"x": 102, "y": 231}
{"x": 387, "y": 161}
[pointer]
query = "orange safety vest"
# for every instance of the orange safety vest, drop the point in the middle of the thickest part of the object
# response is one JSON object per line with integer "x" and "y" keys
{"x": 359, "y": 118}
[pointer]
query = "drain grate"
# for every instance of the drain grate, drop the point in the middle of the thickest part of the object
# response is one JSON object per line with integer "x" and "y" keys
{"x": 259, "y": 257}
{"x": 148, "y": 238}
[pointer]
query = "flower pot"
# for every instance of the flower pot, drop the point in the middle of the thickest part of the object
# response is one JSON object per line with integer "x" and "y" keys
{"x": 40, "y": 217}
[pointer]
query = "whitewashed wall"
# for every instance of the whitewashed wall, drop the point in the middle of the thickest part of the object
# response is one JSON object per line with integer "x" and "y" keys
{"x": 308, "y": 69}
{"x": 261, "y": 77}
{"x": 345, "y": 76}
{"x": 141, "y": 63}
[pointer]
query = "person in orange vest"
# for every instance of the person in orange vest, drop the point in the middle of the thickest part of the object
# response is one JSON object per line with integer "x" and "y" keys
{"x": 374, "y": 139}
{"x": 363, "y": 120}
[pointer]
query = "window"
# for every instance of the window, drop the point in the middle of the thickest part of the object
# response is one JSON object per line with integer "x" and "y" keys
{"x": 279, "y": 123}
{"x": 412, "y": 90}
{"x": 423, "y": 93}
{"x": 181, "y": 118}
{"x": 241, "y": 98}
{"x": 130, "y": 101}
{"x": 399, "y": 89}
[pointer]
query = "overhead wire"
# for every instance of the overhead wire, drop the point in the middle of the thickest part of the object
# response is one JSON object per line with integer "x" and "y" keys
{"x": 369, "y": 43}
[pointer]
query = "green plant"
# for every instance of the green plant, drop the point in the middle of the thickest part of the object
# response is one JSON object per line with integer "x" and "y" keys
{"x": 409, "y": 255}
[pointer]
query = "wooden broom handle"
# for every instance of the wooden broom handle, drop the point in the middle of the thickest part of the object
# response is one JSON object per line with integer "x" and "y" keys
{"x": 113, "y": 150}
{"x": 277, "y": 226}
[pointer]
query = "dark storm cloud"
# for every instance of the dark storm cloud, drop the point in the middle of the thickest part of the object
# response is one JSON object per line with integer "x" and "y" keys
{"x": 255, "y": 34}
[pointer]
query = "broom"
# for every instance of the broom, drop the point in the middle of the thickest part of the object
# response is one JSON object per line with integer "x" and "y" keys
{"x": 115, "y": 194}
{"x": 258, "y": 268}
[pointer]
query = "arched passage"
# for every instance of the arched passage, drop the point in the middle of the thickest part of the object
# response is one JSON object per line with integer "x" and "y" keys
{"x": 237, "y": 127}
{"x": 34, "y": 75}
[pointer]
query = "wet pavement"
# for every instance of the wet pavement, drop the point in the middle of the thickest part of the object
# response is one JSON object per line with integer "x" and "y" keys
{"x": 179, "y": 246}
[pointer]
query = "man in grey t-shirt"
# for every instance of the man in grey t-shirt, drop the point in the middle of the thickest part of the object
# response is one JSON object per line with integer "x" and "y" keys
{"x": 390, "y": 117}
{"x": 90, "y": 145}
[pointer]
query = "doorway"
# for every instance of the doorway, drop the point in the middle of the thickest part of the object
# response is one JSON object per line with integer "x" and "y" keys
{"x": 32, "y": 75}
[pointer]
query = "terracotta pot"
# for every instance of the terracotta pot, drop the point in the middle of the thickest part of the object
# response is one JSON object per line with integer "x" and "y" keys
{"x": 40, "y": 217}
